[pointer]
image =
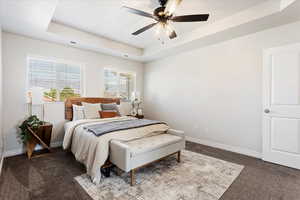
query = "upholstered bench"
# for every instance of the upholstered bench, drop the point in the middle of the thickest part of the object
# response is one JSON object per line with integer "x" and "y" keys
{"x": 131, "y": 155}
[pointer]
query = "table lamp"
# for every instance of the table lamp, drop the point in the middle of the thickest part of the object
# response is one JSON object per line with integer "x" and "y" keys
{"x": 37, "y": 95}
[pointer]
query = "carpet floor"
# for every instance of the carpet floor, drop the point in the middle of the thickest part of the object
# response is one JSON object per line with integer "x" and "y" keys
{"x": 52, "y": 177}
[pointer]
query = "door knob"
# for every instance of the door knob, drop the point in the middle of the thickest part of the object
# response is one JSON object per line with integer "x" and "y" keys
{"x": 267, "y": 111}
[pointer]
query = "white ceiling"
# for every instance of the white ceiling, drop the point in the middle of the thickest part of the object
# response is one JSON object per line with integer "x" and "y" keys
{"x": 102, "y": 26}
{"x": 107, "y": 18}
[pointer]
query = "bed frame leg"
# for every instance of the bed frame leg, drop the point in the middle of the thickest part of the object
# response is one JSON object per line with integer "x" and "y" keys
{"x": 106, "y": 171}
{"x": 132, "y": 177}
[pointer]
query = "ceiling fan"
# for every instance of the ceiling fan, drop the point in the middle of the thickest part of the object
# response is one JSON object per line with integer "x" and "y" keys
{"x": 164, "y": 14}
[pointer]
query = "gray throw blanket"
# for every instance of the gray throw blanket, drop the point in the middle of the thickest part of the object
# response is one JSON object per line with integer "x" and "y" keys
{"x": 101, "y": 129}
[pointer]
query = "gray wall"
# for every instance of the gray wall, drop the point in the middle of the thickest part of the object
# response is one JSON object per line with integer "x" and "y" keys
{"x": 1, "y": 132}
{"x": 16, "y": 48}
{"x": 214, "y": 93}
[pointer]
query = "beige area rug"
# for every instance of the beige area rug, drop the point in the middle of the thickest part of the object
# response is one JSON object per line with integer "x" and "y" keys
{"x": 197, "y": 177}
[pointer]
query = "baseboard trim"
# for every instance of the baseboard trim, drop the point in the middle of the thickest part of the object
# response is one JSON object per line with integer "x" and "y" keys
{"x": 19, "y": 151}
{"x": 235, "y": 149}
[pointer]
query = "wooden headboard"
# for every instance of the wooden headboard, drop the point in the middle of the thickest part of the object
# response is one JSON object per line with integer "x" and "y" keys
{"x": 77, "y": 101}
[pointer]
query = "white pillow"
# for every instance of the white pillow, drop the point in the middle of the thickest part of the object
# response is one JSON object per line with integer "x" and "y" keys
{"x": 78, "y": 112}
{"x": 91, "y": 110}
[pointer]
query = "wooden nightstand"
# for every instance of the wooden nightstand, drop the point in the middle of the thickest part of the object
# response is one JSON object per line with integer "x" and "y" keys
{"x": 42, "y": 136}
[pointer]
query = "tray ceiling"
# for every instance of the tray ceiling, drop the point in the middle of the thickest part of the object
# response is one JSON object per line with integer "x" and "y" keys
{"x": 103, "y": 26}
{"x": 107, "y": 18}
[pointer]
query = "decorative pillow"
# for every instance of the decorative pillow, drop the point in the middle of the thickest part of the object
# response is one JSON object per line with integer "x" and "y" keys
{"x": 91, "y": 110}
{"x": 78, "y": 112}
{"x": 111, "y": 106}
{"x": 108, "y": 114}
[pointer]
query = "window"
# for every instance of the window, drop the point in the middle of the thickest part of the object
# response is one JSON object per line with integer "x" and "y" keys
{"x": 59, "y": 80}
{"x": 118, "y": 84}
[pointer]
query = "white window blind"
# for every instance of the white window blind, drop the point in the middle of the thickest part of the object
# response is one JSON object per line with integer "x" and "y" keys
{"x": 118, "y": 84}
{"x": 58, "y": 80}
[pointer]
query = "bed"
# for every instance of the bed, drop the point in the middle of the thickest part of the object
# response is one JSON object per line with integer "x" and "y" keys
{"x": 92, "y": 150}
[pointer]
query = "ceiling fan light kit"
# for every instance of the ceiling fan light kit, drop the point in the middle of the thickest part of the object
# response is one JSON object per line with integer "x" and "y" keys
{"x": 163, "y": 15}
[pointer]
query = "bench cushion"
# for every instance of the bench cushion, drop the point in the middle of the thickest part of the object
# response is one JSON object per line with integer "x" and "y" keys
{"x": 151, "y": 143}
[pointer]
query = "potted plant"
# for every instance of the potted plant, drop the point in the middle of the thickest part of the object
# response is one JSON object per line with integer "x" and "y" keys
{"x": 32, "y": 122}
{"x": 33, "y": 132}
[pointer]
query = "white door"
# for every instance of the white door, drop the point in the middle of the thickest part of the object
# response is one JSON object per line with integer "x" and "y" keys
{"x": 281, "y": 101}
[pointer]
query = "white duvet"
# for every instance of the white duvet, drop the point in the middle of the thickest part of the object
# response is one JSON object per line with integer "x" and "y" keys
{"x": 93, "y": 151}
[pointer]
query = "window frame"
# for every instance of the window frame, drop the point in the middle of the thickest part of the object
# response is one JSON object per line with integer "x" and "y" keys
{"x": 120, "y": 71}
{"x": 57, "y": 60}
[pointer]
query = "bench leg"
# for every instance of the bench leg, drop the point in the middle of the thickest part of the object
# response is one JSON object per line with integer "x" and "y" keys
{"x": 178, "y": 156}
{"x": 132, "y": 177}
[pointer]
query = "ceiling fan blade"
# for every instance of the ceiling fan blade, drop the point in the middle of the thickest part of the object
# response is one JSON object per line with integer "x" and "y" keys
{"x": 144, "y": 29}
{"x": 139, "y": 12}
{"x": 171, "y": 6}
{"x": 190, "y": 18}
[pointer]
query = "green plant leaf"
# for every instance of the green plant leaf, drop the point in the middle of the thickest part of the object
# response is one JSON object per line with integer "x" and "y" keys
{"x": 34, "y": 123}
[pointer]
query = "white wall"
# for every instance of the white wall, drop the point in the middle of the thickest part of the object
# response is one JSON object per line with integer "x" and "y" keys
{"x": 1, "y": 96}
{"x": 15, "y": 51}
{"x": 214, "y": 93}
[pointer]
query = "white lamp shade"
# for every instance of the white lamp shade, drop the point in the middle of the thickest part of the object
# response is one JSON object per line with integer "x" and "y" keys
{"x": 138, "y": 95}
{"x": 37, "y": 94}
